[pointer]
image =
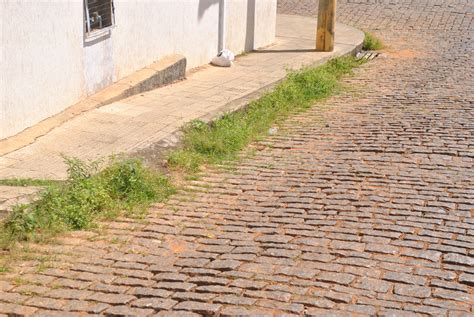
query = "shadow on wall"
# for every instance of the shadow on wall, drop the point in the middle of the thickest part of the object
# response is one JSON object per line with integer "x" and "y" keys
{"x": 204, "y": 5}
{"x": 250, "y": 31}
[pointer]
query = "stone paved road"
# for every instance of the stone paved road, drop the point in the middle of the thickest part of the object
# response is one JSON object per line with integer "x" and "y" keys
{"x": 362, "y": 206}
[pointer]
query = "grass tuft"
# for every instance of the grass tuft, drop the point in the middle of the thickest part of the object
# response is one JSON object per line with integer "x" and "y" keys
{"x": 24, "y": 182}
{"x": 89, "y": 194}
{"x": 224, "y": 137}
{"x": 372, "y": 43}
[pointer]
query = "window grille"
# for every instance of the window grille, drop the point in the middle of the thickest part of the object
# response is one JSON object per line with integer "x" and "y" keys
{"x": 99, "y": 14}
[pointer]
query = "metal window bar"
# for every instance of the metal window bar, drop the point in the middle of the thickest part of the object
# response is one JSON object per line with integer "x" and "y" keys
{"x": 99, "y": 14}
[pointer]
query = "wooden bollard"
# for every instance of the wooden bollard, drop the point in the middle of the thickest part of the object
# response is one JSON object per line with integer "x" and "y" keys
{"x": 326, "y": 25}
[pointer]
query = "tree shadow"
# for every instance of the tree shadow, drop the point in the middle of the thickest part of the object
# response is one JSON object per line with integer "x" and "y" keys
{"x": 204, "y": 5}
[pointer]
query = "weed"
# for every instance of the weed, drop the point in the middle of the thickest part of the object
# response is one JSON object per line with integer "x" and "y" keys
{"x": 45, "y": 262}
{"x": 223, "y": 138}
{"x": 19, "y": 281}
{"x": 188, "y": 161}
{"x": 372, "y": 43}
{"x": 116, "y": 240}
{"x": 28, "y": 293}
{"x": 89, "y": 194}
{"x": 95, "y": 238}
{"x": 192, "y": 177}
{"x": 267, "y": 166}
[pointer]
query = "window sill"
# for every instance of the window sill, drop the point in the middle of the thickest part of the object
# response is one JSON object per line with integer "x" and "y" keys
{"x": 96, "y": 34}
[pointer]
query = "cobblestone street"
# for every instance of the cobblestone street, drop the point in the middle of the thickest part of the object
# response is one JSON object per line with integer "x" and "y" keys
{"x": 361, "y": 206}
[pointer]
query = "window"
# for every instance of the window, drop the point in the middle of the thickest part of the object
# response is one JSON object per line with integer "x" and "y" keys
{"x": 98, "y": 14}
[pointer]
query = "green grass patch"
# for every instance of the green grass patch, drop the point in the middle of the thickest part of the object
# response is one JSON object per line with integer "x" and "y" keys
{"x": 90, "y": 194}
{"x": 371, "y": 42}
{"x": 224, "y": 137}
{"x": 24, "y": 182}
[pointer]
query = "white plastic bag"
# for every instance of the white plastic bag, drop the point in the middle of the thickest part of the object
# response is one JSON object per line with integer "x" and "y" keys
{"x": 223, "y": 59}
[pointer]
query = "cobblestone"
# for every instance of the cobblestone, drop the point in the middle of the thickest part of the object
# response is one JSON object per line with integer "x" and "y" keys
{"x": 467, "y": 279}
{"x": 458, "y": 259}
{"x": 412, "y": 290}
{"x": 127, "y": 311}
{"x": 340, "y": 278}
{"x": 404, "y": 278}
{"x": 372, "y": 284}
{"x": 197, "y": 307}
{"x": 363, "y": 205}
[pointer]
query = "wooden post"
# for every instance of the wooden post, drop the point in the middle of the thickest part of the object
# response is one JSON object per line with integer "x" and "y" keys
{"x": 326, "y": 25}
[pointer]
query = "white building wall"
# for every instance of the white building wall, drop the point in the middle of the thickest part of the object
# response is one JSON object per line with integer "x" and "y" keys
{"x": 265, "y": 22}
{"x": 42, "y": 62}
{"x": 47, "y": 64}
{"x": 250, "y": 24}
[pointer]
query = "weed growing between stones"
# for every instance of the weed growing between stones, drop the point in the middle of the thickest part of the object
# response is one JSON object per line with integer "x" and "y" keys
{"x": 372, "y": 43}
{"x": 90, "y": 194}
{"x": 223, "y": 138}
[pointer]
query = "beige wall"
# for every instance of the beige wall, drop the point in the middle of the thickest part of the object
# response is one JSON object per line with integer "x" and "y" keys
{"x": 47, "y": 64}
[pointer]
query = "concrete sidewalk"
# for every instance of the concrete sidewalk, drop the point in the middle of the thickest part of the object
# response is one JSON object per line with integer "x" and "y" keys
{"x": 136, "y": 123}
